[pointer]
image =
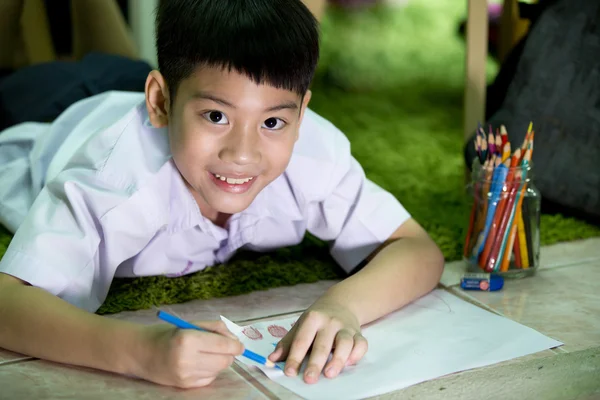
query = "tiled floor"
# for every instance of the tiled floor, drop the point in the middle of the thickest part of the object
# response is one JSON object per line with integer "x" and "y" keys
{"x": 10, "y": 357}
{"x": 45, "y": 380}
{"x": 561, "y": 301}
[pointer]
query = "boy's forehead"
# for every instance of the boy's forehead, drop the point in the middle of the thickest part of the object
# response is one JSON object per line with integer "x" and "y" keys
{"x": 222, "y": 80}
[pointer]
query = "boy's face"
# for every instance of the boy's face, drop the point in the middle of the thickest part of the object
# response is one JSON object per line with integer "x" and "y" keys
{"x": 229, "y": 136}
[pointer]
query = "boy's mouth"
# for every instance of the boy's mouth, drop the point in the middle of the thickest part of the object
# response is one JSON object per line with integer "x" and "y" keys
{"x": 236, "y": 185}
{"x": 232, "y": 181}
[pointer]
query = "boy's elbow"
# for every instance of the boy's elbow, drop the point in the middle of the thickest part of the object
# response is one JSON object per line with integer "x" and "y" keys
{"x": 436, "y": 261}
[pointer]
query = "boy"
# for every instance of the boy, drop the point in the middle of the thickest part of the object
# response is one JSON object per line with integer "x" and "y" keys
{"x": 220, "y": 153}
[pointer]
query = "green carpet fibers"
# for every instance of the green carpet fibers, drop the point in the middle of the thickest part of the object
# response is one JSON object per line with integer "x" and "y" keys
{"x": 392, "y": 80}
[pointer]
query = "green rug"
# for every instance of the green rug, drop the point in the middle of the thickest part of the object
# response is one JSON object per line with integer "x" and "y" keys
{"x": 392, "y": 80}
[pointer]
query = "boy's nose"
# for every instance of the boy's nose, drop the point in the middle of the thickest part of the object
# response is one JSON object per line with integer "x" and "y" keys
{"x": 241, "y": 147}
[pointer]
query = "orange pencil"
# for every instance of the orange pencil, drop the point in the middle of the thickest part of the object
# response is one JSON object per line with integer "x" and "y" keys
{"x": 517, "y": 248}
{"x": 495, "y": 260}
{"x": 526, "y": 141}
{"x": 520, "y": 223}
{"x": 512, "y": 228}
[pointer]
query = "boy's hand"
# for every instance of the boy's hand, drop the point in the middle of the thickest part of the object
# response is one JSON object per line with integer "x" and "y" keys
{"x": 325, "y": 326}
{"x": 187, "y": 358}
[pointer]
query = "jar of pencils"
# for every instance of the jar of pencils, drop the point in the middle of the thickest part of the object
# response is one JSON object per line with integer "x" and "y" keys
{"x": 503, "y": 233}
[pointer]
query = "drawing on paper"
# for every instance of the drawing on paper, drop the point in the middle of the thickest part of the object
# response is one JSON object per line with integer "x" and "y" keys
{"x": 439, "y": 304}
{"x": 252, "y": 333}
{"x": 277, "y": 331}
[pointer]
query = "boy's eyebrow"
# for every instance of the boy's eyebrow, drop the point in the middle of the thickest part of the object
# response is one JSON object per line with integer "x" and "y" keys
{"x": 207, "y": 96}
{"x": 283, "y": 106}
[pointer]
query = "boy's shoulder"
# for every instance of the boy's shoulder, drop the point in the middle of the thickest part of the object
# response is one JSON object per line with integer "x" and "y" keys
{"x": 321, "y": 156}
{"x": 114, "y": 138}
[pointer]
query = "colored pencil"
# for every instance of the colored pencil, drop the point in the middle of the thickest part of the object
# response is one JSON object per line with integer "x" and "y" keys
{"x": 522, "y": 242}
{"x": 479, "y": 206}
{"x": 505, "y": 215}
{"x": 499, "y": 222}
{"x": 505, "y": 263}
{"x": 491, "y": 144}
{"x": 498, "y": 143}
{"x": 517, "y": 245}
{"x": 477, "y": 144}
{"x": 511, "y": 228}
{"x": 181, "y": 324}
{"x": 500, "y": 242}
{"x": 498, "y": 179}
{"x": 505, "y": 152}
{"x": 503, "y": 135}
{"x": 523, "y": 246}
{"x": 484, "y": 151}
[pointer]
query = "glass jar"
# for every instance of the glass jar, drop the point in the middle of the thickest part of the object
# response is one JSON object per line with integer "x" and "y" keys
{"x": 503, "y": 236}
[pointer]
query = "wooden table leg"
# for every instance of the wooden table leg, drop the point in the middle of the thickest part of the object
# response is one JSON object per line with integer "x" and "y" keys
{"x": 476, "y": 56}
{"x": 475, "y": 78}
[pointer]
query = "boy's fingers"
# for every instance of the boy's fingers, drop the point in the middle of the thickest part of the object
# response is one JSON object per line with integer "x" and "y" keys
{"x": 209, "y": 365}
{"x": 217, "y": 327}
{"x": 301, "y": 342}
{"x": 281, "y": 351}
{"x": 320, "y": 353}
{"x": 216, "y": 343}
{"x": 344, "y": 343}
{"x": 360, "y": 349}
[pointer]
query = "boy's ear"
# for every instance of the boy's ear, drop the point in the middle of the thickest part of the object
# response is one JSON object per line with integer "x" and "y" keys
{"x": 305, "y": 102}
{"x": 157, "y": 99}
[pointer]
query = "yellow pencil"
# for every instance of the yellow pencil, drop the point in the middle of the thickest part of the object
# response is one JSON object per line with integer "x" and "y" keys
{"x": 522, "y": 241}
{"x": 506, "y": 152}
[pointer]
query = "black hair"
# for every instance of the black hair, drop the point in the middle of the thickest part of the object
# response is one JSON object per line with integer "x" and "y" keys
{"x": 275, "y": 42}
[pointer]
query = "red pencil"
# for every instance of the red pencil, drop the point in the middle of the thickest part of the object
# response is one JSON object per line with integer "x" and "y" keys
{"x": 494, "y": 255}
{"x": 493, "y": 232}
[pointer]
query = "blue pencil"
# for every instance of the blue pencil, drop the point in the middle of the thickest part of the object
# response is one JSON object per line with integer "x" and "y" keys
{"x": 498, "y": 179}
{"x": 181, "y": 324}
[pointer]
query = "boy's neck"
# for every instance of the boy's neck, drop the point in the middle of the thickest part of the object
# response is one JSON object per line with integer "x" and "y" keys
{"x": 221, "y": 219}
{"x": 217, "y": 218}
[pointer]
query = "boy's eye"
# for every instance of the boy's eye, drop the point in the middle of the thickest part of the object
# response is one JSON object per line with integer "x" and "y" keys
{"x": 273, "y": 124}
{"x": 216, "y": 117}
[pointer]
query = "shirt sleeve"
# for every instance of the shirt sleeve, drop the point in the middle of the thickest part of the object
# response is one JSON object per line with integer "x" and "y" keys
{"x": 76, "y": 234}
{"x": 356, "y": 216}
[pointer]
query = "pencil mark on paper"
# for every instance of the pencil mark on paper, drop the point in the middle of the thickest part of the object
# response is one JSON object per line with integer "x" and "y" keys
{"x": 252, "y": 333}
{"x": 277, "y": 331}
{"x": 441, "y": 305}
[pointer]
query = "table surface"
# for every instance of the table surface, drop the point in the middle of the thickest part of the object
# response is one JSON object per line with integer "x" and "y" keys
{"x": 561, "y": 301}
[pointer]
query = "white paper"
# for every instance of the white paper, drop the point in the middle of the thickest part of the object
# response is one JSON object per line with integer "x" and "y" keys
{"x": 436, "y": 335}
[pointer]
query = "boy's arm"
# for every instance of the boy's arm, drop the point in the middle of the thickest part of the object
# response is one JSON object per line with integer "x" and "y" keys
{"x": 39, "y": 324}
{"x": 407, "y": 267}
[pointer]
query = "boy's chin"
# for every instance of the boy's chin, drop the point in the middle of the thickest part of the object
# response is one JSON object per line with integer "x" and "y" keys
{"x": 232, "y": 206}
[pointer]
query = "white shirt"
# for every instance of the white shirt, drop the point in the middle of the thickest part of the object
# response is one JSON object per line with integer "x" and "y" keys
{"x": 96, "y": 195}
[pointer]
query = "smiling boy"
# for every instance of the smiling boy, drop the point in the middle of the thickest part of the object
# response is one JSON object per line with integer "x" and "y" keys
{"x": 220, "y": 153}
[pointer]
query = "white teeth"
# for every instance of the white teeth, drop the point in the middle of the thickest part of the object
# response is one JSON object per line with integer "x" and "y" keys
{"x": 233, "y": 181}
